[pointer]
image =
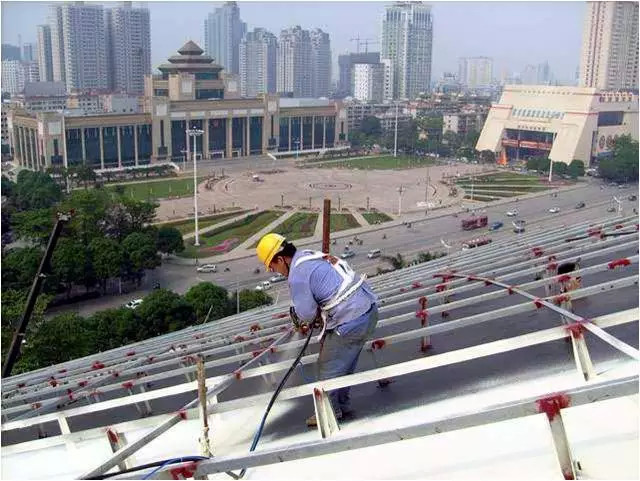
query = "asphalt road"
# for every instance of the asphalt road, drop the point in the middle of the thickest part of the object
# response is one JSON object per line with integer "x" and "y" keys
{"x": 421, "y": 237}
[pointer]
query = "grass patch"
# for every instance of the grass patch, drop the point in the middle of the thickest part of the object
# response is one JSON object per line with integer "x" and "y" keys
{"x": 186, "y": 226}
{"x": 298, "y": 226}
{"x": 521, "y": 187}
{"x": 384, "y": 162}
{"x": 222, "y": 240}
{"x": 376, "y": 217}
{"x": 161, "y": 189}
{"x": 343, "y": 222}
{"x": 481, "y": 198}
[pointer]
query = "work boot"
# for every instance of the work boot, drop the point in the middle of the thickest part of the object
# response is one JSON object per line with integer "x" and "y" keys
{"x": 312, "y": 422}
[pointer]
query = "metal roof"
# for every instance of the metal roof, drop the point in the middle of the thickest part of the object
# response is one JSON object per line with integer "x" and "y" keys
{"x": 468, "y": 340}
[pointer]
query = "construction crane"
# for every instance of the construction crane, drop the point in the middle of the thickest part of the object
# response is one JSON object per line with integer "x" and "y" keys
{"x": 365, "y": 41}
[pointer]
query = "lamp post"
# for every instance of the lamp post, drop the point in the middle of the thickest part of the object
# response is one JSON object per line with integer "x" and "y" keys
{"x": 401, "y": 190}
{"x": 296, "y": 142}
{"x": 395, "y": 135}
{"x": 193, "y": 132}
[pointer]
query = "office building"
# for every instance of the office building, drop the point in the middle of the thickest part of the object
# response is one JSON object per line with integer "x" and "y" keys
{"x": 42, "y": 97}
{"x": 609, "y": 58}
{"x": 368, "y": 82}
{"x": 79, "y": 43}
{"x": 10, "y": 52}
{"x": 129, "y": 48}
{"x": 345, "y": 66}
{"x": 258, "y": 63}
{"x": 562, "y": 123}
{"x": 475, "y": 72}
{"x": 44, "y": 53}
{"x": 294, "y": 70}
{"x": 28, "y": 52}
{"x": 223, "y": 32}
{"x": 407, "y": 34}
{"x": 12, "y": 77}
{"x": 320, "y": 63}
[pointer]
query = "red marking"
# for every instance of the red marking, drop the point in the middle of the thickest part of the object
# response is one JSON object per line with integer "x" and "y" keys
{"x": 422, "y": 302}
{"x": 127, "y": 385}
{"x": 445, "y": 277}
{"x": 62, "y": 371}
{"x": 416, "y": 285}
{"x": 422, "y": 315}
{"x": 378, "y": 344}
{"x": 594, "y": 231}
{"x": 131, "y": 353}
{"x": 279, "y": 316}
{"x": 471, "y": 278}
{"x": 238, "y": 339}
{"x": 273, "y": 349}
{"x": 113, "y": 437}
{"x": 402, "y": 289}
{"x": 537, "y": 251}
{"x": 441, "y": 287}
{"x": 186, "y": 471}
{"x": 618, "y": 226}
{"x": 183, "y": 414}
{"x": 568, "y": 475}
{"x": 551, "y": 258}
{"x": 561, "y": 298}
{"x": 424, "y": 345}
{"x": 257, "y": 353}
{"x": 564, "y": 278}
{"x": 69, "y": 390}
{"x": 36, "y": 405}
{"x": 619, "y": 263}
{"x": 576, "y": 329}
{"x": 97, "y": 365}
{"x": 189, "y": 359}
{"x": 317, "y": 393}
{"x": 150, "y": 359}
{"x": 637, "y": 226}
{"x": 487, "y": 282}
{"x": 255, "y": 327}
{"x": 552, "y": 266}
{"x": 304, "y": 329}
{"x": 53, "y": 382}
{"x": 538, "y": 303}
{"x": 70, "y": 395}
{"x": 510, "y": 290}
{"x": 82, "y": 383}
{"x": 551, "y": 405}
{"x": 238, "y": 374}
{"x": 22, "y": 384}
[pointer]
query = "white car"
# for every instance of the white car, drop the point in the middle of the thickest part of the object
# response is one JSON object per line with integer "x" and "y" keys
{"x": 512, "y": 213}
{"x": 133, "y": 304}
{"x": 277, "y": 278}
{"x": 554, "y": 210}
{"x": 263, "y": 286}
{"x": 207, "y": 268}
{"x": 347, "y": 254}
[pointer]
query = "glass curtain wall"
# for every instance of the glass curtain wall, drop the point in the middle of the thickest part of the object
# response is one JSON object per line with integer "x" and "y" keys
{"x": 145, "y": 144}
{"x": 255, "y": 135}
{"x": 218, "y": 137}
{"x": 318, "y": 135}
{"x": 92, "y": 146}
{"x": 307, "y": 125}
{"x": 74, "y": 146}
{"x": 127, "y": 145}
{"x": 110, "y": 146}
{"x": 283, "y": 144}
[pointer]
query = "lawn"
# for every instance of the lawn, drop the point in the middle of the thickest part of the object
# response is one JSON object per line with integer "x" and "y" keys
{"x": 298, "y": 226}
{"x": 376, "y": 217}
{"x": 222, "y": 240}
{"x": 342, "y": 222}
{"x": 384, "y": 162}
{"x": 187, "y": 226}
{"x": 160, "y": 189}
{"x": 498, "y": 187}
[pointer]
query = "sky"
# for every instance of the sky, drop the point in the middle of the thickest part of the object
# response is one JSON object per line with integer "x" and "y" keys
{"x": 514, "y": 34}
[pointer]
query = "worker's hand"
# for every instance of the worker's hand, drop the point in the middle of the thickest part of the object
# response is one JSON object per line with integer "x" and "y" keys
{"x": 294, "y": 318}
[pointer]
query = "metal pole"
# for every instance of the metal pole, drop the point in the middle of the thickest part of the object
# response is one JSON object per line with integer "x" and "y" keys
{"x": 550, "y": 169}
{"x": 205, "y": 446}
{"x": 195, "y": 190}
{"x": 395, "y": 135}
{"x": 326, "y": 225}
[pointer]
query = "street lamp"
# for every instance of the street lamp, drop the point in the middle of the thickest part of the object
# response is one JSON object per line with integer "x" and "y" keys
{"x": 193, "y": 132}
{"x": 395, "y": 135}
{"x": 296, "y": 142}
{"x": 401, "y": 190}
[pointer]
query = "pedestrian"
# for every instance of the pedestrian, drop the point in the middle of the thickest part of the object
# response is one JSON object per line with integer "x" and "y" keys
{"x": 325, "y": 288}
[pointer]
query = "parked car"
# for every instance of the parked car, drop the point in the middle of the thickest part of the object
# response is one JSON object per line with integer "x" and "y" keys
{"x": 580, "y": 205}
{"x": 374, "y": 253}
{"x": 207, "y": 268}
{"x": 277, "y": 278}
{"x": 518, "y": 226}
{"x": 348, "y": 254}
{"x": 512, "y": 213}
{"x": 263, "y": 286}
{"x": 496, "y": 225}
{"x": 554, "y": 210}
{"x": 133, "y": 304}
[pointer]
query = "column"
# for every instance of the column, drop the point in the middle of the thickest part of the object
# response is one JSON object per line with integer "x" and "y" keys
{"x": 23, "y": 152}
{"x": 205, "y": 138}
{"x": 313, "y": 132}
{"x": 31, "y": 149}
{"x": 84, "y": 148}
{"x": 289, "y": 149}
{"x": 229, "y": 126}
{"x": 101, "y": 136}
{"x": 324, "y": 131}
{"x": 266, "y": 126}
{"x": 119, "y": 153}
{"x": 135, "y": 143}
{"x": 36, "y": 141}
{"x": 247, "y": 137}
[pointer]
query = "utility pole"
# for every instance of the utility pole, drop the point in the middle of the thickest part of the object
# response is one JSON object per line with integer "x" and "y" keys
{"x": 326, "y": 225}
{"x": 195, "y": 133}
{"x": 281, "y": 200}
{"x": 401, "y": 190}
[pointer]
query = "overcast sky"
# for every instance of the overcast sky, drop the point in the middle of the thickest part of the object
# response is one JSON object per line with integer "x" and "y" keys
{"x": 513, "y": 33}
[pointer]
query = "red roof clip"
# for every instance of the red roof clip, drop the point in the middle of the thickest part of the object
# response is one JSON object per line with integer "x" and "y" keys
{"x": 62, "y": 371}
{"x": 237, "y": 374}
{"x": 619, "y": 263}
{"x": 510, "y": 290}
{"x": 280, "y": 316}
{"x": 131, "y": 353}
{"x": 183, "y": 414}
{"x": 378, "y": 344}
{"x": 187, "y": 471}
{"x": 576, "y": 329}
{"x": 564, "y": 278}
{"x": 552, "y": 266}
{"x": 82, "y": 383}
{"x": 255, "y": 327}
{"x": 487, "y": 282}
{"x": 53, "y": 382}
{"x": 441, "y": 287}
{"x": 127, "y": 385}
{"x": 402, "y": 289}
{"x": 257, "y": 353}
{"x": 422, "y": 315}
{"x": 238, "y": 339}
{"x": 36, "y": 405}
{"x": 422, "y": 302}
{"x": 561, "y": 298}
{"x": 538, "y": 303}
{"x": 619, "y": 226}
{"x": 22, "y": 384}
{"x": 551, "y": 405}
{"x": 416, "y": 285}
{"x": 537, "y": 251}
{"x": 97, "y": 365}
{"x": 113, "y": 437}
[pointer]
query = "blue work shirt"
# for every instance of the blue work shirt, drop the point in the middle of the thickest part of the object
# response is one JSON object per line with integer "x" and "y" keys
{"x": 314, "y": 282}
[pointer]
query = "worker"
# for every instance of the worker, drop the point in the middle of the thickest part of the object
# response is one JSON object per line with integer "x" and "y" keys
{"x": 325, "y": 288}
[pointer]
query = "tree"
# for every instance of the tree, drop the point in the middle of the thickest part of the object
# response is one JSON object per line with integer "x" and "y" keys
{"x": 140, "y": 254}
{"x": 487, "y": 157}
{"x": 7, "y": 187}
{"x": 169, "y": 240}
{"x": 68, "y": 263}
{"x": 370, "y": 126}
{"x": 539, "y": 163}
{"x": 34, "y": 225}
{"x": 397, "y": 261}
{"x": 84, "y": 174}
{"x": 19, "y": 267}
{"x": 63, "y": 338}
{"x": 163, "y": 311}
{"x": 250, "y": 299}
{"x": 113, "y": 328}
{"x": 127, "y": 216}
{"x": 35, "y": 190}
{"x": 623, "y": 165}
{"x": 205, "y": 296}
{"x": 576, "y": 169}
{"x": 88, "y": 220}
{"x": 13, "y": 304}
{"x": 560, "y": 168}
{"x": 107, "y": 258}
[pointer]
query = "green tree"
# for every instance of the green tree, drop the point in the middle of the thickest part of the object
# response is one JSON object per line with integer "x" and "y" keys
{"x": 623, "y": 165}
{"x": 249, "y": 299}
{"x": 140, "y": 253}
{"x": 107, "y": 258}
{"x": 34, "y": 225}
{"x": 7, "y": 187}
{"x": 63, "y": 338}
{"x": 68, "y": 263}
{"x": 470, "y": 139}
{"x": 163, "y": 311}
{"x": 113, "y": 328}
{"x": 13, "y": 304}
{"x": 370, "y": 126}
{"x": 576, "y": 169}
{"x": 397, "y": 261}
{"x": 127, "y": 216}
{"x": 487, "y": 157}
{"x": 88, "y": 220}
{"x": 19, "y": 267}
{"x": 35, "y": 190}
{"x": 205, "y": 296}
{"x": 560, "y": 168}
{"x": 83, "y": 174}
{"x": 169, "y": 240}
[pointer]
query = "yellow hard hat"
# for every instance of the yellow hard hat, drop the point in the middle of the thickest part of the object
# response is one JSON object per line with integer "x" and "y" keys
{"x": 268, "y": 247}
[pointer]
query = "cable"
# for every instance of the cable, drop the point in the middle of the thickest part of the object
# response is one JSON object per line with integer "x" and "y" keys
{"x": 154, "y": 464}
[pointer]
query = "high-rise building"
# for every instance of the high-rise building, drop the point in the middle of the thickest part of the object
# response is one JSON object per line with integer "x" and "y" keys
{"x": 345, "y": 66}
{"x": 44, "y": 53}
{"x": 79, "y": 42}
{"x": 10, "y": 52}
{"x": 407, "y": 35}
{"x": 129, "y": 48}
{"x": 320, "y": 62}
{"x": 475, "y": 72}
{"x": 258, "y": 63}
{"x": 12, "y": 77}
{"x": 294, "y": 63}
{"x": 223, "y": 32}
{"x": 539, "y": 74}
{"x": 387, "y": 91}
{"x": 28, "y": 52}
{"x": 368, "y": 82}
{"x": 609, "y": 58}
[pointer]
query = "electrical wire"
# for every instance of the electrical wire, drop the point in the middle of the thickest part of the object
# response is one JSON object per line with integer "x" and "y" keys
{"x": 154, "y": 464}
